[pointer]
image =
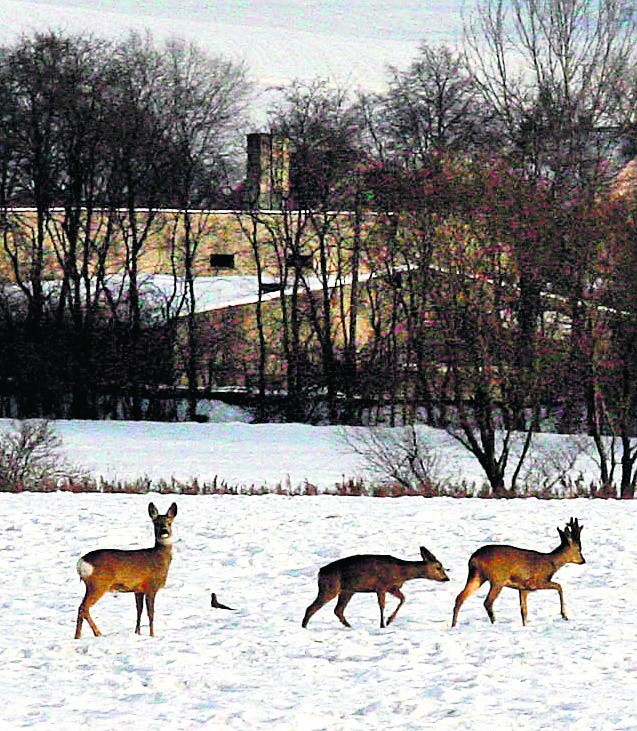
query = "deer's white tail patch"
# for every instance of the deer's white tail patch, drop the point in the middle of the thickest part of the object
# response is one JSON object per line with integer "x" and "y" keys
{"x": 84, "y": 568}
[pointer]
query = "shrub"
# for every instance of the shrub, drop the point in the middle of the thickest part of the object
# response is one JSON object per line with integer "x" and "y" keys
{"x": 31, "y": 458}
{"x": 398, "y": 460}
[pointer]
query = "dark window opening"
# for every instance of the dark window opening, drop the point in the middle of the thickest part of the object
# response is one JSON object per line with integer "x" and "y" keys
{"x": 222, "y": 261}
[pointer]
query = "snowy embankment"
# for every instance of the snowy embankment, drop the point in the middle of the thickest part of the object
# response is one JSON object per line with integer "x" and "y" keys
{"x": 247, "y": 455}
{"x": 256, "y": 668}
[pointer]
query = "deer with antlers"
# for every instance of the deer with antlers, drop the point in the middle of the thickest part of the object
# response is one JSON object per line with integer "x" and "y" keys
{"x": 520, "y": 569}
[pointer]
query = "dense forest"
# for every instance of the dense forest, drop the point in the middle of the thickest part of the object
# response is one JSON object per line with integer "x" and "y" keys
{"x": 497, "y": 279}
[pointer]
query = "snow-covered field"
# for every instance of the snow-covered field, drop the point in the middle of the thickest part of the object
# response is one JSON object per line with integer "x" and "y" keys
{"x": 253, "y": 455}
{"x": 256, "y": 668}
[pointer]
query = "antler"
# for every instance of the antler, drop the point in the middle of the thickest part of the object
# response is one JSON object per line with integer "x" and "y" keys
{"x": 572, "y": 531}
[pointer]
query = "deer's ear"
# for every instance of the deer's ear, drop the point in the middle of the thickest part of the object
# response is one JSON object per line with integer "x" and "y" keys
{"x": 426, "y": 555}
{"x": 562, "y": 535}
{"x": 172, "y": 511}
{"x": 152, "y": 511}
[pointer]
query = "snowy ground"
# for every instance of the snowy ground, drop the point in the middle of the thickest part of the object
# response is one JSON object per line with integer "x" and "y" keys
{"x": 254, "y": 455}
{"x": 256, "y": 668}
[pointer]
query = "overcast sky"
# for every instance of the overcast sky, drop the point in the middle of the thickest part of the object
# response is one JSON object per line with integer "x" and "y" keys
{"x": 349, "y": 41}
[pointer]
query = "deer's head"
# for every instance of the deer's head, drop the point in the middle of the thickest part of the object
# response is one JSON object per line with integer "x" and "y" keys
{"x": 572, "y": 542}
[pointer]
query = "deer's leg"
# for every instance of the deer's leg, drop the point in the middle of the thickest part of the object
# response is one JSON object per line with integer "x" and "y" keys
{"x": 78, "y": 625}
{"x": 93, "y": 595}
{"x": 558, "y": 589}
{"x": 327, "y": 591}
{"x": 150, "y": 610}
{"x": 343, "y": 601}
{"x": 523, "y": 596}
{"x": 381, "y": 604}
{"x": 313, "y": 609}
{"x": 474, "y": 582}
{"x": 399, "y": 595}
{"x": 139, "y": 602}
{"x": 494, "y": 593}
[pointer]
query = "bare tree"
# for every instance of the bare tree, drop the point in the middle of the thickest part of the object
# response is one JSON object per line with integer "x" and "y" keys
{"x": 31, "y": 69}
{"x": 57, "y": 86}
{"x": 137, "y": 184}
{"x": 609, "y": 352}
{"x": 327, "y": 193}
{"x": 550, "y": 72}
{"x": 101, "y": 131}
{"x": 204, "y": 100}
{"x": 434, "y": 105}
{"x": 550, "y": 466}
{"x": 399, "y": 456}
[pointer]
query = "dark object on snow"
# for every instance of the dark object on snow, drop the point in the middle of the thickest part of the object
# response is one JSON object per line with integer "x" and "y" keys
{"x": 217, "y": 605}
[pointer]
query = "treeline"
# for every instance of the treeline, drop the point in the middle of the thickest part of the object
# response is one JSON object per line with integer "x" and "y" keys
{"x": 496, "y": 281}
{"x": 97, "y": 137}
{"x": 489, "y": 254}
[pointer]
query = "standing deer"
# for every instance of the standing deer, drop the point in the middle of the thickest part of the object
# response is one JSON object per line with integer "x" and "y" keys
{"x": 371, "y": 573}
{"x": 142, "y": 571}
{"x": 520, "y": 569}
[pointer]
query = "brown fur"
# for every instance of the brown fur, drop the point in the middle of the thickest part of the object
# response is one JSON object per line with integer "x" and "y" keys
{"x": 371, "y": 574}
{"x": 520, "y": 569}
{"x": 142, "y": 571}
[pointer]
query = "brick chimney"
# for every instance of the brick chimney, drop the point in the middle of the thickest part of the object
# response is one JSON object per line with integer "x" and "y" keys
{"x": 268, "y": 174}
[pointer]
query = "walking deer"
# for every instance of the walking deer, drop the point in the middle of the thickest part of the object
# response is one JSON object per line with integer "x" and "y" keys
{"x": 142, "y": 571}
{"x": 371, "y": 574}
{"x": 520, "y": 569}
